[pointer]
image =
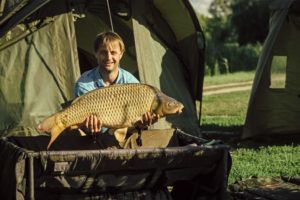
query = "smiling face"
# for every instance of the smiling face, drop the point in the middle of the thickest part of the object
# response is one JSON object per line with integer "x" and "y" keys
{"x": 109, "y": 48}
{"x": 108, "y": 56}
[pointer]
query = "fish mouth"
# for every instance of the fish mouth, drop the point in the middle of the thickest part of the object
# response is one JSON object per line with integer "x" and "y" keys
{"x": 180, "y": 109}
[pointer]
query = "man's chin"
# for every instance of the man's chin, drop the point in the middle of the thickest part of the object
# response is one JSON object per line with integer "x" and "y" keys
{"x": 109, "y": 68}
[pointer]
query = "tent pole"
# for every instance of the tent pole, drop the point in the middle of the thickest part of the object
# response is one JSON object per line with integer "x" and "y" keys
{"x": 31, "y": 177}
{"x": 109, "y": 13}
{"x": 200, "y": 112}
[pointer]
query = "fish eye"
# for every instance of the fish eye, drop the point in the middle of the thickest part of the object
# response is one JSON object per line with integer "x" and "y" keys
{"x": 171, "y": 104}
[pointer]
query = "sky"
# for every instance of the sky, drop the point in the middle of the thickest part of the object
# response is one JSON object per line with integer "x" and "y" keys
{"x": 201, "y": 6}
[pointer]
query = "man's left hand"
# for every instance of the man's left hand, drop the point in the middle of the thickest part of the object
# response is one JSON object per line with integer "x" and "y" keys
{"x": 148, "y": 119}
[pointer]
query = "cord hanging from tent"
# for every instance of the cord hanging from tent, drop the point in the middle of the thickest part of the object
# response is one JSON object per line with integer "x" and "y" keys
{"x": 109, "y": 13}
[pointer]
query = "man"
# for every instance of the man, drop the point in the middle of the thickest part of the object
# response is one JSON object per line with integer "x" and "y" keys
{"x": 109, "y": 49}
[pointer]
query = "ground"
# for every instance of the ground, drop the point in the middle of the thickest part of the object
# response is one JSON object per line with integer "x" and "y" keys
{"x": 268, "y": 163}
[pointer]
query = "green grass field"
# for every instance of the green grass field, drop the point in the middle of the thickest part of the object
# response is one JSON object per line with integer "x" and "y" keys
{"x": 228, "y": 78}
{"x": 226, "y": 112}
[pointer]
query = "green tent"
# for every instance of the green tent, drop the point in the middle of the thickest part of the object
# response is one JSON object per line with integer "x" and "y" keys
{"x": 274, "y": 105}
{"x": 46, "y": 44}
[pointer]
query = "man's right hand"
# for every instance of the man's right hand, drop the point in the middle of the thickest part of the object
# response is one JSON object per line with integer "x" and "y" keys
{"x": 93, "y": 124}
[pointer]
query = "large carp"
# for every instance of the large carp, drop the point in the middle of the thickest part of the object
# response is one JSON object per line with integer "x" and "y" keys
{"x": 117, "y": 106}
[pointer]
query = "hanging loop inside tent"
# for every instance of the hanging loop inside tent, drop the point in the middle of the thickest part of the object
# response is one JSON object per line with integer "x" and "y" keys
{"x": 110, "y": 18}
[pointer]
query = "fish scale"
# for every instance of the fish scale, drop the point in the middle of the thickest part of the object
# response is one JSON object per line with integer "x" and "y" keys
{"x": 117, "y": 106}
{"x": 124, "y": 111}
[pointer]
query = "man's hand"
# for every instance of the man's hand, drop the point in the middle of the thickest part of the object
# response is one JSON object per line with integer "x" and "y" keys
{"x": 148, "y": 119}
{"x": 93, "y": 124}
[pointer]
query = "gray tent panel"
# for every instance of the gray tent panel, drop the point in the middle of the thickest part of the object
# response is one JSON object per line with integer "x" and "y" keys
{"x": 33, "y": 82}
{"x": 277, "y": 110}
{"x": 159, "y": 66}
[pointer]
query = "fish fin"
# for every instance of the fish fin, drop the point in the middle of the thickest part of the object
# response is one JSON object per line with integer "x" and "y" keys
{"x": 74, "y": 127}
{"x": 120, "y": 134}
{"x": 81, "y": 132}
{"x": 55, "y": 132}
{"x": 47, "y": 124}
{"x": 76, "y": 99}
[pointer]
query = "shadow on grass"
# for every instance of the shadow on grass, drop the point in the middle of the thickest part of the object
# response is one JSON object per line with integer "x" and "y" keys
{"x": 231, "y": 135}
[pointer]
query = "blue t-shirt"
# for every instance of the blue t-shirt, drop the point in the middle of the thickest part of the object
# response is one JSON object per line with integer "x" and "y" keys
{"x": 92, "y": 79}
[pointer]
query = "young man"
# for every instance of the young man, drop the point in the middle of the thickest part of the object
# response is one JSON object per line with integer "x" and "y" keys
{"x": 109, "y": 49}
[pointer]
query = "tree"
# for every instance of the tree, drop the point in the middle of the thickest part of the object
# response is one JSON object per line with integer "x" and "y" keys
{"x": 250, "y": 19}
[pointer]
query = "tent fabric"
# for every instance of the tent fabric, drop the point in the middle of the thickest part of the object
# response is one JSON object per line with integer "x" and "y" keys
{"x": 54, "y": 45}
{"x": 12, "y": 185}
{"x": 92, "y": 24}
{"x": 158, "y": 66}
{"x": 34, "y": 82}
{"x": 272, "y": 111}
{"x": 189, "y": 42}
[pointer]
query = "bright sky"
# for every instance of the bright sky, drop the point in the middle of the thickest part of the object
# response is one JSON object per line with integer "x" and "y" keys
{"x": 201, "y": 6}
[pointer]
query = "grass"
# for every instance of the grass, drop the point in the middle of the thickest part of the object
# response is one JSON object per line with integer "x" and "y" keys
{"x": 238, "y": 77}
{"x": 228, "y": 78}
{"x": 265, "y": 161}
{"x": 226, "y": 112}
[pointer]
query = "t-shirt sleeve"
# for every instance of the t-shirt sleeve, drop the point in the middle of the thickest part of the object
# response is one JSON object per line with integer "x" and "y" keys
{"x": 132, "y": 79}
{"x": 80, "y": 90}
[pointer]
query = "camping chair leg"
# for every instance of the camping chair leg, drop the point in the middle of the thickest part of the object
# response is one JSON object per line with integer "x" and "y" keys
{"x": 31, "y": 178}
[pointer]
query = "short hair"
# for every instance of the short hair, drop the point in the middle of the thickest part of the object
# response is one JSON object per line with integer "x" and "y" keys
{"x": 106, "y": 38}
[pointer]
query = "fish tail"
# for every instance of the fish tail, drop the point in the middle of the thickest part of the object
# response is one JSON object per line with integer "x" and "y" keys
{"x": 55, "y": 132}
{"x": 51, "y": 125}
{"x": 47, "y": 124}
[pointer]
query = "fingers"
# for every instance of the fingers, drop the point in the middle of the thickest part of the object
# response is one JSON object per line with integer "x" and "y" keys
{"x": 93, "y": 123}
{"x": 155, "y": 118}
{"x": 149, "y": 118}
{"x": 99, "y": 125}
{"x": 87, "y": 122}
{"x": 145, "y": 121}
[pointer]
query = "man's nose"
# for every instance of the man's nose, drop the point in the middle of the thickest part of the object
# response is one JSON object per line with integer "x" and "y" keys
{"x": 109, "y": 55}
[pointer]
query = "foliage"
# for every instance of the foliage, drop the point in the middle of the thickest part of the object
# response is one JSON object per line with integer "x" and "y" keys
{"x": 217, "y": 33}
{"x": 219, "y": 8}
{"x": 234, "y": 34}
{"x": 250, "y": 19}
{"x": 241, "y": 57}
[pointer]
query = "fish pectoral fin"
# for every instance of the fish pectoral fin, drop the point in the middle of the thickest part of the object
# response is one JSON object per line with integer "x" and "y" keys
{"x": 120, "y": 134}
{"x": 74, "y": 127}
{"x": 81, "y": 132}
{"x": 55, "y": 132}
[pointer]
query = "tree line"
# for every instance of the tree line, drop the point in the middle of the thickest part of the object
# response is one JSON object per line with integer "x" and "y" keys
{"x": 234, "y": 34}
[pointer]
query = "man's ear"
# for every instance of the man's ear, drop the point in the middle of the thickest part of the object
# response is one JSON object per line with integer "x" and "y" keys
{"x": 122, "y": 53}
